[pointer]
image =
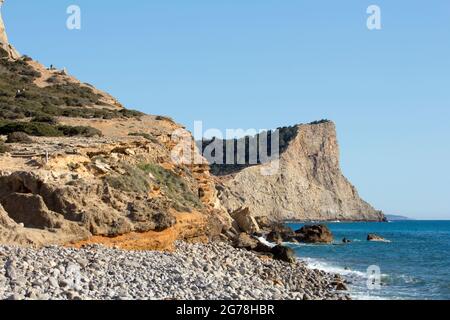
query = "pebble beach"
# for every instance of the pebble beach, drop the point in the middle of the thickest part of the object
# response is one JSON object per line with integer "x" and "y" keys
{"x": 214, "y": 271}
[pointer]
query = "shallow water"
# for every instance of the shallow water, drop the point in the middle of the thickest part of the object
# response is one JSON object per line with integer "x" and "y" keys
{"x": 414, "y": 265}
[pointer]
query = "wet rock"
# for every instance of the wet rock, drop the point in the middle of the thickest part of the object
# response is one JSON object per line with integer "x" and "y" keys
{"x": 376, "y": 238}
{"x": 275, "y": 237}
{"x": 283, "y": 253}
{"x": 340, "y": 286}
{"x": 245, "y": 241}
{"x": 314, "y": 234}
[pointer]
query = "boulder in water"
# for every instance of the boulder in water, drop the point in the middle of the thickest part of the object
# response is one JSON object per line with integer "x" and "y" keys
{"x": 283, "y": 253}
{"x": 275, "y": 237}
{"x": 314, "y": 234}
{"x": 375, "y": 237}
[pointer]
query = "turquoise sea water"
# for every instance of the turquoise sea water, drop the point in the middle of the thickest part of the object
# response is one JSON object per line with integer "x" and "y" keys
{"x": 414, "y": 265}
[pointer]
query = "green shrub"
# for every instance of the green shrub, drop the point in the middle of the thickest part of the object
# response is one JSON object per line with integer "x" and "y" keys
{"x": 26, "y": 58}
{"x": 18, "y": 137}
{"x": 43, "y": 118}
{"x": 41, "y": 129}
{"x": 4, "y": 148}
{"x": 129, "y": 113}
{"x": 175, "y": 188}
{"x": 57, "y": 99}
{"x": 83, "y": 131}
{"x": 31, "y": 128}
{"x": 134, "y": 180}
{"x": 285, "y": 135}
{"x": 164, "y": 118}
{"x": 320, "y": 122}
{"x": 144, "y": 135}
{"x": 52, "y": 79}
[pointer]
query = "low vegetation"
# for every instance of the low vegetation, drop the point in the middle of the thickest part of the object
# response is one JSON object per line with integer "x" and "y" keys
{"x": 144, "y": 135}
{"x": 18, "y": 137}
{"x": 20, "y": 98}
{"x": 4, "y": 148}
{"x": 174, "y": 187}
{"x": 320, "y": 122}
{"x": 41, "y": 129}
{"x": 140, "y": 179}
{"x": 134, "y": 180}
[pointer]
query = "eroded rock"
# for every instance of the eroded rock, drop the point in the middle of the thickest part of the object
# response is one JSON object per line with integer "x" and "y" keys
{"x": 245, "y": 221}
{"x": 314, "y": 234}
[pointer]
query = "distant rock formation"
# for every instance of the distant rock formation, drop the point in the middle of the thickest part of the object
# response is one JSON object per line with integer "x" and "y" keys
{"x": 4, "y": 42}
{"x": 309, "y": 184}
{"x": 392, "y": 217}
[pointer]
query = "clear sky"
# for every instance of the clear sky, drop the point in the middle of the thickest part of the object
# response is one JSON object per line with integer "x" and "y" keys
{"x": 263, "y": 64}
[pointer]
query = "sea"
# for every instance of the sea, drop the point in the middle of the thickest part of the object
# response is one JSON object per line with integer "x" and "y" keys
{"x": 413, "y": 265}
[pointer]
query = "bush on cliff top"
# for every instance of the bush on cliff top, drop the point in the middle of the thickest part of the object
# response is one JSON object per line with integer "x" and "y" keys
{"x": 39, "y": 129}
{"x": 20, "y": 97}
{"x": 144, "y": 135}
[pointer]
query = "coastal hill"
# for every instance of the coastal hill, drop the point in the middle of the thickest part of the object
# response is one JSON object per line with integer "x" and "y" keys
{"x": 77, "y": 167}
{"x": 308, "y": 185}
{"x": 392, "y": 217}
{"x": 75, "y": 164}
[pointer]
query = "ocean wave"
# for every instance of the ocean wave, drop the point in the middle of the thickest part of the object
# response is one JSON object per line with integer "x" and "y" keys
{"x": 265, "y": 242}
{"x": 328, "y": 267}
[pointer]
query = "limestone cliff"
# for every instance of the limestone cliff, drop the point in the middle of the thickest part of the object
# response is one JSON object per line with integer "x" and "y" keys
{"x": 309, "y": 184}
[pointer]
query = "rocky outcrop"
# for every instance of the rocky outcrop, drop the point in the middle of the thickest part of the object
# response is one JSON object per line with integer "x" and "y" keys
{"x": 314, "y": 234}
{"x": 93, "y": 169}
{"x": 376, "y": 238}
{"x": 59, "y": 190}
{"x": 244, "y": 221}
{"x": 283, "y": 253}
{"x": 309, "y": 184}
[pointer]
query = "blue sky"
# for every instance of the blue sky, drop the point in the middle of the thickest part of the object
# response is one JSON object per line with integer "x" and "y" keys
{"x": 263, "y": 64}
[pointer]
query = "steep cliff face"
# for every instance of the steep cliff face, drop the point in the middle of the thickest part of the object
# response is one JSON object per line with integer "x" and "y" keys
{"x": 309, "y": 184}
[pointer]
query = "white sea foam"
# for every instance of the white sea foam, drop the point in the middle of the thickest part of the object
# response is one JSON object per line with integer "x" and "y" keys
{"x": 265, "y": 242}
{"x": 358, "y": 289}
{"x": 327, "y": 267}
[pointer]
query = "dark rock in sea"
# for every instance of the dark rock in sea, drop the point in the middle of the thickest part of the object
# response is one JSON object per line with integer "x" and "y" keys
{"x": 314, "y": 234}
{"x": 263, "y": 248}
{"x": 275, "y": 237}
{"x": 345, "y": 240}
{"x": 284, "y": 232}
{"x": 340, "y": 286}
{"x": 283, "y": 253}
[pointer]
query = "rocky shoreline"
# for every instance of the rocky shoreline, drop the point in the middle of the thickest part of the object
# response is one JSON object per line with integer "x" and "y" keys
{"x": 193, "y": 272}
